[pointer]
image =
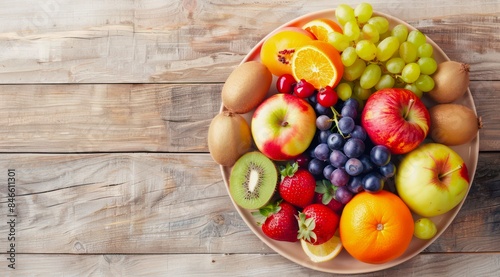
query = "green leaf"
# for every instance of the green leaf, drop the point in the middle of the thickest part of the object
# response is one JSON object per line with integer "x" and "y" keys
{"x": 288, "y": 170}
{"x": 302, "y": 218}
{"x": 259, "y": 218}
{"x": 310, "y": 223}
{"x": 263, "y": 213}
{"x": 306, "y": 227}
{"x": 327, "y": 197}
{"x": 321, "y": 187}
{"x": 313, "y": 237}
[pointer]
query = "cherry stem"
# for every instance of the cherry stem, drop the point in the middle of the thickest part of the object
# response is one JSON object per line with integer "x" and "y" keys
{"x": 410, "y": 105}
{"x": 449, "y": 172}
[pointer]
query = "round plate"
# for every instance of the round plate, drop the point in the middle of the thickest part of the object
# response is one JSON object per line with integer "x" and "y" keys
{"x": 344, "y": 263}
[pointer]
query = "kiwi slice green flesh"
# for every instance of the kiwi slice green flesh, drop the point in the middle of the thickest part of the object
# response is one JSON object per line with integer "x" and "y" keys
{"x": 253, "y": 180}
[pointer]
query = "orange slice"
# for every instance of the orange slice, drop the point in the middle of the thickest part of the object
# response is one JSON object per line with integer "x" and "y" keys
{"x": 318, "y": 63}
{"x": 322, "y": 252}
{"x": 320, "y": 28}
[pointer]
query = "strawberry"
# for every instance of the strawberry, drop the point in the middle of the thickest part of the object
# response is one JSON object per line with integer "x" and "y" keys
{"x": 317, "y": 224}
{"x": 297, "y": 185}
{"x": 280, "y": 221}
{"x": 325, "y": 194}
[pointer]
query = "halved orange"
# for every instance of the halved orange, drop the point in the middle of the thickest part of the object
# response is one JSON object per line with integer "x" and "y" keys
{"x": 318, "y": 63}
{"x": 321, "y": 27}
{"x": 278, "y": 50}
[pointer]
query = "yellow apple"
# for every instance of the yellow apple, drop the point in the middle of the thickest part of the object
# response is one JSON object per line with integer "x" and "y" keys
{"x": 432, "y": 179}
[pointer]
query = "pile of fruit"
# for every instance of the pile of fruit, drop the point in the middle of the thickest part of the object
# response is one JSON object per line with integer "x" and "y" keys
{"x": 347, "y": 119}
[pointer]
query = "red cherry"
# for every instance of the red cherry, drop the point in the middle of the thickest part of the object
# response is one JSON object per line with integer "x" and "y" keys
{"x": 327, "y": 97}
{"x": 303, "y": 89}
{"x": 285, "y": 83}
{"x": 302, "y": 160}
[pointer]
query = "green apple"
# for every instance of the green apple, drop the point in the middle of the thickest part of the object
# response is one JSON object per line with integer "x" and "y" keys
{"x": 283, "y": 126}
{"x": 432, "y": 179}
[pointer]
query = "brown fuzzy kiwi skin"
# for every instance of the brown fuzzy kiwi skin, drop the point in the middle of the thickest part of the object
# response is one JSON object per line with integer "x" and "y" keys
{"x": 451, "y": 81}
{"x": 229, "y": 137}
{"x": 453, "y": 124}
{"x": 246, "y": 87}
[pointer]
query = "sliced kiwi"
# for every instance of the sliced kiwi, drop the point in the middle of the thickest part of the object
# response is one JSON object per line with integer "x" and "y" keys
{"x": 253, "y": 180}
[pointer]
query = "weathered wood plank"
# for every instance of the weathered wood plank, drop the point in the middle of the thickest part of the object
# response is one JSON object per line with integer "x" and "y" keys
{"x": 466, "y": 264}
{"x": 144, "y": 203}
{"x": 146, "y": 117}
{"x": 486, "y": 96}
{"x": 170, "y": 203}
{"x": 97, "y": 118}
{"x": 60, "y": 41}
{"x": 83, "y": 210}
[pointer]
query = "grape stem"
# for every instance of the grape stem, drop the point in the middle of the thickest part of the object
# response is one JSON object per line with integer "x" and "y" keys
{"x": 336, "y": 116}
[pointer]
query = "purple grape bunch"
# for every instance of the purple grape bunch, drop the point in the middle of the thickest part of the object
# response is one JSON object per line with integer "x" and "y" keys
{"x": 343, "y": 154}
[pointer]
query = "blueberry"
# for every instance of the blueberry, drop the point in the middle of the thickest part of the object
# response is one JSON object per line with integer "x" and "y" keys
{"x": 353, "y": 167}
{"x": 373, "y": 182}
{"x": 335, "y": 141}
{"x": 354, "y": 147}
{"x": 388, "y": 170}
{"x": 380, "y": 155}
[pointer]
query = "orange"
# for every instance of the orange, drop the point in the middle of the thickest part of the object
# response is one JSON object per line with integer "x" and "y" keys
{"x": 278, "y": 49}
{"x": 318, "y": 63}
{"x": 376, "y": 227}
{"x": 321, "y": 27}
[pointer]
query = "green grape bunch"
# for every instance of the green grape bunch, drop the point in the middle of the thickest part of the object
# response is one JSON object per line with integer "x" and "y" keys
{"x": 376, "y": 56}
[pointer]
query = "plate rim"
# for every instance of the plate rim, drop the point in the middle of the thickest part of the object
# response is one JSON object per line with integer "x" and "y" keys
{"x": 474, "y": 145}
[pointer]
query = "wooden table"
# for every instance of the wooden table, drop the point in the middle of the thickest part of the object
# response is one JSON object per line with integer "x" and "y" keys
{"x": 104, "y": 112}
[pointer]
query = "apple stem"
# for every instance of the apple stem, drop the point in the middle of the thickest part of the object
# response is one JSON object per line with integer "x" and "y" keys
{"x": 449, "y": 172}
{"x": 410, "y": 105}
{"x": 284, "y": 123}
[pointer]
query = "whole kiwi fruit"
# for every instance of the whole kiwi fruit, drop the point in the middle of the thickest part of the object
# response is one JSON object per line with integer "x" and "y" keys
{"x": 246, "y": 87}
{"x": 253, "y": 180}
{"x": 453, "y": 124}
{"x": 451, "y": 81}
{"x": 229, "y": 137}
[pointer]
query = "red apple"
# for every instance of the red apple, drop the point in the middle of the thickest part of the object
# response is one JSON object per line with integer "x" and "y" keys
{"x": 432, "y": 179}
{"x": 396, "y": 118}
{"x": 283, "y": 126}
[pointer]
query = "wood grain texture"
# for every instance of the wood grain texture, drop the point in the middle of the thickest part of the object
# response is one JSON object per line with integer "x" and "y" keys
{"x": 149, "y": 41}
{"x": 123, "y": 203}
{"x": 169, "y": 203}
{"x": 486, "y": 96}
{"x": 143, "y": 117}
{"x": 106, "y": 118}
{"x": 466, "y": 264}
{"x": 104, "y": 110}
